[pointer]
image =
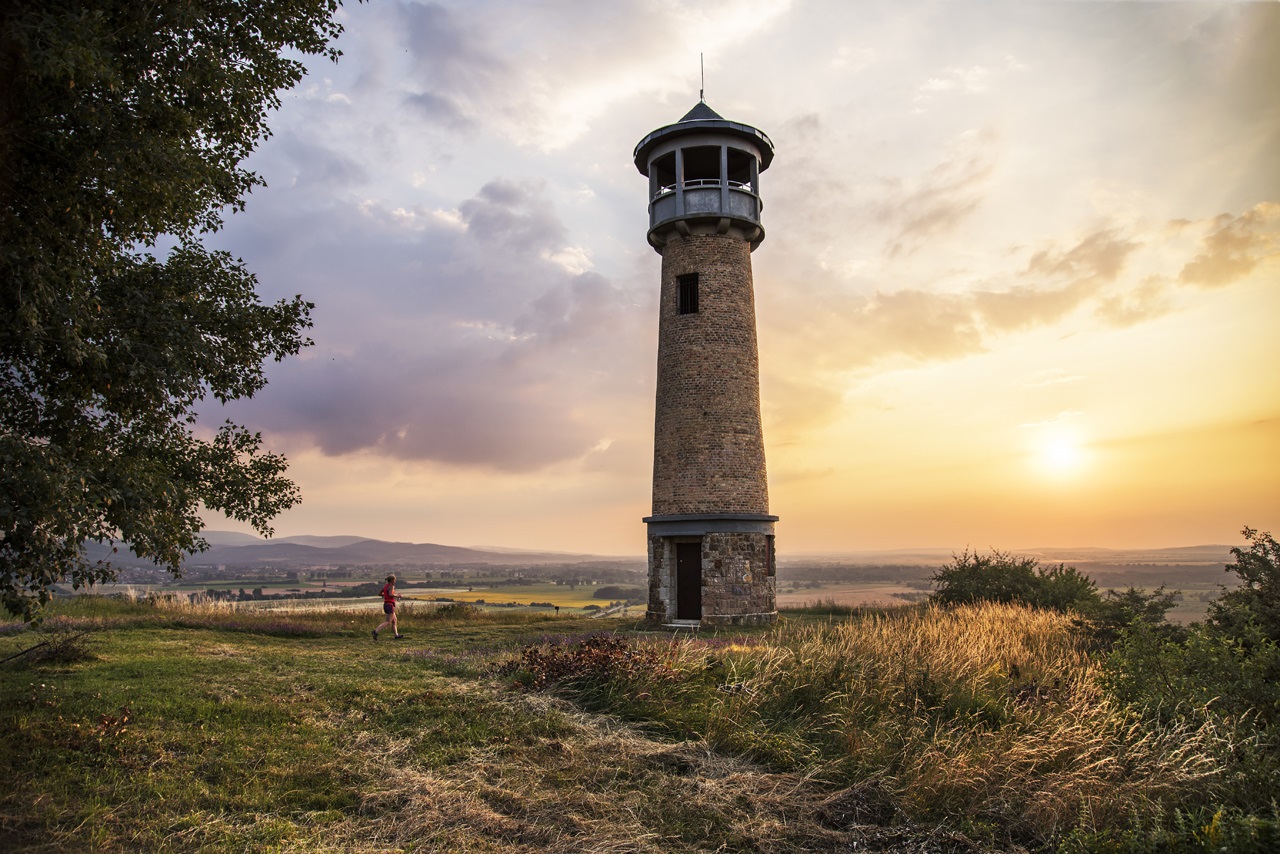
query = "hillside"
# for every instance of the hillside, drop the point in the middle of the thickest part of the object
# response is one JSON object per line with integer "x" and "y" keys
{"x": 167, "y": 727}
{"x": 243, "y": 550}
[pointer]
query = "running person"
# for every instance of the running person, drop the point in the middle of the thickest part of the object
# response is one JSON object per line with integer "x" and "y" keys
{"x": 389, "y": 597}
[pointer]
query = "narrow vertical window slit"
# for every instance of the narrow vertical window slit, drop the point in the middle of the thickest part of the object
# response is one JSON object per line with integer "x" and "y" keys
{"x": 688, "y": 297}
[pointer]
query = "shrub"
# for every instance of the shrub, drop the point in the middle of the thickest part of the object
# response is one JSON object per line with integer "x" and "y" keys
{"x": 596, "y": 658}
{"x": 1007, "y": 579}
{"x": 1225, "y": 672}
{"x": 1115, "y": 612}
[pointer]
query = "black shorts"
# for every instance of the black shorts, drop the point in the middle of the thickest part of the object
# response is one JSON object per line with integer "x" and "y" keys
{"x": 388, "y": 607}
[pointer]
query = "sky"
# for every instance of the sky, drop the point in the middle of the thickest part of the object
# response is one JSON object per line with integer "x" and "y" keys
{"x": 1020, "y": 287}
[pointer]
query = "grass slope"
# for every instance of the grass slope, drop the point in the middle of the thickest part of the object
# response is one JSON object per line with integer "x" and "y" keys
{"x": 182, "y": 728}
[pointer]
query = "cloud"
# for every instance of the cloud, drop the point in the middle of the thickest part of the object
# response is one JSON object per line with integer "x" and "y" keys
{"x": 944, "y": 197}
{"x": 1152, "y": 298}
{"x": 477, "y": 339}
{"x": 915, "y": 325}
{"x": 1100, "y": 255}
{"x": 1084, "y": 269}
{"x": 539, "y": 75}
{"x": 1235, "y": 247}
{"x": 439, "y": 110}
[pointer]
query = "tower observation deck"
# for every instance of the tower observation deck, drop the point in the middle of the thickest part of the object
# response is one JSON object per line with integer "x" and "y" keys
{"x": 704, "y": 177}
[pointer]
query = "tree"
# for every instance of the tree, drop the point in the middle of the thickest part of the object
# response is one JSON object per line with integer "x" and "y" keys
{"x": 123, "y": 126}
{"x": 1257, "y": 599}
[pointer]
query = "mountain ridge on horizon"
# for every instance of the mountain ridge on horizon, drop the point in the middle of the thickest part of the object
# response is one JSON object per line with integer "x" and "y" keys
{"x": 355, "y": 548}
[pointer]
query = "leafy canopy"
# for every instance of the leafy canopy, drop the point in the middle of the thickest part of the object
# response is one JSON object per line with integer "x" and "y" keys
{"x": 123, "y": 126}
{"x": 1257, "y": 599}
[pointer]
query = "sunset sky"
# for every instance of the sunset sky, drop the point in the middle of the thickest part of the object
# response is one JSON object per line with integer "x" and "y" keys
{"x": 1021, "y": 285}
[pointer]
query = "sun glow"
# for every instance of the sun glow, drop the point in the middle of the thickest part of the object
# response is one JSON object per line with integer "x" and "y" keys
{"x": 1061, "y": 455}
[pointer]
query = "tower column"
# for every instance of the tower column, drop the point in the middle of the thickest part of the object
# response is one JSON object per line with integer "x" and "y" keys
{"x": 708, "y": 447}
{"x": 711, "y": 537}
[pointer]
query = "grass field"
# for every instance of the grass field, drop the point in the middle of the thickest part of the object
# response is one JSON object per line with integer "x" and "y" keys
{"x": 182, "y": 727}
{"x": 575, "y": 599}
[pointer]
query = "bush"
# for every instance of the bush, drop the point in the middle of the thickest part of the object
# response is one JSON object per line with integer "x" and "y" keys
{"x": 593, "y": 659}
{"x": 1115, "y": 612}
{"x": 1007, "y": 579}
{"x": 1225, "y": 672}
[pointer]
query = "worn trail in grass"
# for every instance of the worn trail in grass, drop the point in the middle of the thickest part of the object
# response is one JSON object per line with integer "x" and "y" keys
{"x": 173, "y": 733}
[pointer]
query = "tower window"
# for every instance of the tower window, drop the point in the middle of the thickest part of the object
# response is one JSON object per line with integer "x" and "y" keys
{"x": 701, "y": 165}
{"x": 740, "y": 169}
{"x": 688, "y": 296}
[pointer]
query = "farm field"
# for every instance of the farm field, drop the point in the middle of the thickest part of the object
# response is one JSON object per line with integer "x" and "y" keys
{"x": 852, "y": 593}
{"x": 563, "y": 596}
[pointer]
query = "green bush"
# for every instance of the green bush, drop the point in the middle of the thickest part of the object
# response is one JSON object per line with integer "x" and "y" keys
{"x": 1008, "y": 579}
{"x": 1224, "y": 672}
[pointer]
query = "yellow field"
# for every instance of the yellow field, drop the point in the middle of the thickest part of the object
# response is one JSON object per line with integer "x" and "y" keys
{"x": 556, "y": 594}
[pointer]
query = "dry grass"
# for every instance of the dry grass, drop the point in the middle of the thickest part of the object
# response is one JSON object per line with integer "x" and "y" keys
{"x": 986, "y": 719}
{"x": 916, "y": 729}
{"x": 601, "y": 787}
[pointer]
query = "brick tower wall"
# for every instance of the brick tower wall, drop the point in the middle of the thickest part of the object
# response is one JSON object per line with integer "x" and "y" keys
{"x": 708, "y": 444}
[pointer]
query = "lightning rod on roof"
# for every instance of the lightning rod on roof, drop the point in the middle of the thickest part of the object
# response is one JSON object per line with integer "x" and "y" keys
{"x": 703, "y": 88}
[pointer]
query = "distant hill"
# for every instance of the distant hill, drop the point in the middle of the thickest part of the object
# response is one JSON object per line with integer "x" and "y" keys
{"x": 233, "y": 548}
{"x": 1178, "y": 555}
{"x": 236, "y": 549}
{"x": 231, "y": 538}
{"x": 332, "y": 542}
{"x": 1079, "y": 555}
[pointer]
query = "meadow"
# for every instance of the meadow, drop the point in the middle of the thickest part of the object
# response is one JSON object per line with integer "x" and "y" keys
{"x": 172, "y": 726}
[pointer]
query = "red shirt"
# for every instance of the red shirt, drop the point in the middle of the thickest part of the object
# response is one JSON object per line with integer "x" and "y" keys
{"x": 389, "y": 594}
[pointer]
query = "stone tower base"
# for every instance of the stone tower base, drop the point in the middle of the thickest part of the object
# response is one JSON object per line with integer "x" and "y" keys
{"x": 716, "y": 578}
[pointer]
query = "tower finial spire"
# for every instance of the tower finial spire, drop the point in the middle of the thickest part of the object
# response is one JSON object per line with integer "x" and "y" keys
{"x": 703, "y": 88}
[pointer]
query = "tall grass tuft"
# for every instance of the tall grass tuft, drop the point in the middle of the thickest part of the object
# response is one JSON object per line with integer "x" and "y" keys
{"x": 987, "y": 719}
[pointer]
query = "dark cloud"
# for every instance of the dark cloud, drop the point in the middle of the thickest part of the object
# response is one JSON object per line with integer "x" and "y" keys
{"x": 439, "y": 110}
{"x": 455, "y": 336}
{"x": 451, "y": 54}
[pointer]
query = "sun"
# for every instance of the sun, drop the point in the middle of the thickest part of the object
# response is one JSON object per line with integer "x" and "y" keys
{"x": 1061, "y": 455}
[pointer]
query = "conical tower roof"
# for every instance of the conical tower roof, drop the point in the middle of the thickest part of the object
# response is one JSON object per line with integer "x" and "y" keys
{"x": 702, "y": 119}
{"x": 702, "y": 112}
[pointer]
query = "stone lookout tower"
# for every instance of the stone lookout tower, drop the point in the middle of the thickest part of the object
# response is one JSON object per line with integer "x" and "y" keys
{"x": 711, "y": 555}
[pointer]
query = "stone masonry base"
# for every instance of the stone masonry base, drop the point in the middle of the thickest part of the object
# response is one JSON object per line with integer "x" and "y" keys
{"x": 739, "y": 584}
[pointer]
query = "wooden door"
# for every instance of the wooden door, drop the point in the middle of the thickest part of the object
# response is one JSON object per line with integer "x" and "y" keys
{"x": 688, "y": 581}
